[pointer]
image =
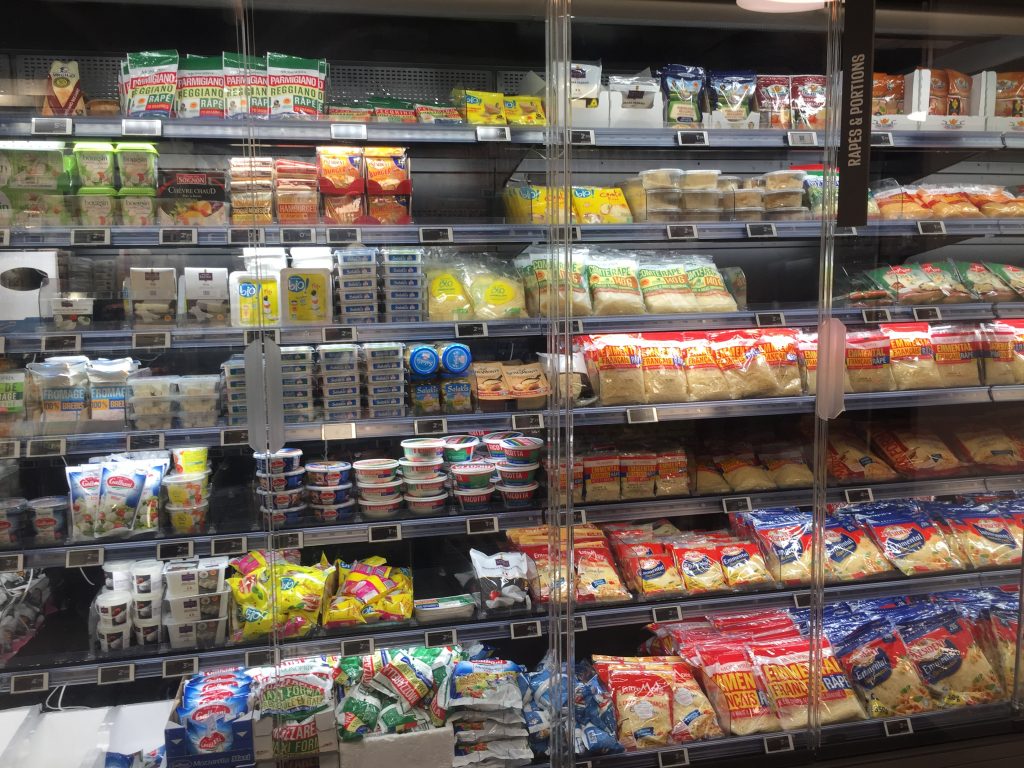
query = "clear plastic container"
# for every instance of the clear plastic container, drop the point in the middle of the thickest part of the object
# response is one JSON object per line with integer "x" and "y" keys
{"x": 664, "y": 215}
{"x": 427, "y": 505}
{"x": 701, "y": 200}
{"x": 748, "y": 214}
{"x": 188, "y": 519}
{"x": 377, "y": 350}
{"x": 380, "y": 510}
{"x": 747, "y": 198}
{"x": 703, "y": 178}
{"x": 338, "y": 353}
{"x": 712, "y": 214}
{"x": 153, "y": 422}
{"x": 153, "y": 386}
{"x": 198, "y": 386}
{"x": 197, "y": 404}
{"x": 663, "y": 198}
{"x": 299, "y": 354}
{"x": 788, "y": 198}
{"x": 153, "y": 406}
{"x": 661, "y": 178}
{"x": 182, "y": 490}
{"x": 788, "y": 214}
{"x": 787, "y": 179}
{"x": 752, "y": 182}
{"x": 728, "y": 182}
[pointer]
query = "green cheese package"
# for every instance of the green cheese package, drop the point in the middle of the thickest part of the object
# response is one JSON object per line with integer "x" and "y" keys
{"x": 684, "y": 89}
{"x": 295, "y": 86}
{"x": 151, "y": 84}
{"x": 986, "y": 284}
{"x": 1009, "y": 274}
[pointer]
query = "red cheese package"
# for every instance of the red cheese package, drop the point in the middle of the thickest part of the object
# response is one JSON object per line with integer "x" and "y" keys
{"x": 808, "y": 101}
{"x": 728, "y": 674}
{"x": 916, "y": 453}
{"x": 596, "y": 577}
{"x": 783, "y": 669}
{"x": 773, "y": 101}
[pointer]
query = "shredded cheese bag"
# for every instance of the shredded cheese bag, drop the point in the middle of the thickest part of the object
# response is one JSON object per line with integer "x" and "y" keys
{"x": 561, "y": 291}
{"x": 786, "y": 466}
{"x": 708, "y": 285}
{"x": 916, "y": 453}
{"x": 912, "y": 356}
{"x": 596, "y": 577}
{"x": 620, "y": 378}
{"x": 989, "y": 447}
{"x": 495, "y": 289}
{"x": 709, "y": 481}
{"x": 851, "y": 461}
{"x": 878, "y": 665}
{"x": 705, "y": 380}
{"x": 986, "y": 284}
{"x": 638, "y": 473}
{"x": 943, "y": 275}
{"x": 614, "y": 288}
{"x": 702, "y": 572}
{"x": 666, "y": 287}
{"x": 783, "y": 668}
{"x": 780, "y": 350}
{"x": 742, "y": 707}
{"x": 956, "y": 349}
{"x": 673, "y": 473}
{"x": 643, "y": 709}
{"x": 1002, "y": 359}
{"x": 447, "y": 298}
{"x": 850, "y": 553}
{"x": 908, "y": 283}
{"x": 786, "y": 542}
{"x": 868, "y": 367}
{"x": 601, "y": 477}
{"x": 1004, "y": 630}
{"x": 743, "y": 473}
{"x": 951, "y": 662}
{"x": 807, "y": 355}
{"x": 664, "y": 375}
{"x": 743, "y": 566}
{"x": 741, "y": 356}
{"x": 986, "y": 537}
{"x": 910, "y": 541}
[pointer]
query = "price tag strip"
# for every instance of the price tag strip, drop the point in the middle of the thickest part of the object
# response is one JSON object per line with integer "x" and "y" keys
{"x": 802, "y": 138}
{"x": 692, "y": 139}
{"x": 33, "y": 682}
{"x": 344, "y": 235}
{"x": 376, "y": 534}
{"x": 478, "y": 525}
{"x": 83, "y": 557}
{"x": 112, "y": 675}
{"x": 673, "y": 758}
{"x": 470, "y": 330}
{"x": 231, "y": 545}
{"x": 359, "y": 647}
{"x": 336, "y": 333}
{"x": 667, "y": 613}
{"x": 737, "y": 504}
{"x": 493, "y": 133}
{"x": 681, "y": 232}
{"x": 436, "y": 235}
{"x": 440, "y": 638}
{"x": 179, "y": 236}
{"x": 525, "y": 421}
{"x": 348, "y": 131}
{"x": 520, "y": 630}
{"x": 180, "y": 667}
{"x": 901, "y": 727}
{"x": 151, "y": 340}
{"x": 174, "y": 550}
{"x": 858, "y": 495}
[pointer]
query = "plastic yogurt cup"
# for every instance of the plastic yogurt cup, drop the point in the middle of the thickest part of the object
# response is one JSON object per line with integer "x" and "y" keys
{"x": 425, "y": 468}
{"x": 280, "y": 499}
{"x": 474, "y": 500}
{"x": 471, "y": 475}
{"x": 285, "y": 460}
{"x": 518, "y": 495}
{"x": 333, "y": 513}
{"x": 427, "y": 505}
{"x": 460, "y": 447}
{"x": 327, "y": 496}
{"x": 517, "y": 474}
{"x": 193, "y": 488}
{"x": 327, "y": 474}
{"x": 422, "y": 448}
{"x": 375, "y": 470}
{"x": 493, "y": 442}
{"x": 522, "y": 450}
{"x": 288, "y": 481}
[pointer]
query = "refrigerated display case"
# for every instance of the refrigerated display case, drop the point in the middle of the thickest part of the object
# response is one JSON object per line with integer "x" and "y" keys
{"x": 521, "y": 341}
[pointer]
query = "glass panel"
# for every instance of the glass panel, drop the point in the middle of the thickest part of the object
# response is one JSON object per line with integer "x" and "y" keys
{"x": 918, "y": 498}
{"x": 696, "y": 188}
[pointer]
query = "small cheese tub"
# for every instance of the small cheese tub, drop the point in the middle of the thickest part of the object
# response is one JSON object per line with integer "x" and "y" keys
{"x": 280, "y": 499}
{"x": 113, "y": 607}
{"x": 518, "y": 496}
{"x": 153, "y": 386}
{"x": 206, "y": 633}
{"x": 380, "y": 491}
{"x": 419, "y": 487}
{"x": 286, "y": 481}
{"x": 475, "y": 499}
{"x": 118, "y": 575}
{"x": 289, "y": 517}
{"x": 375, "y": 470}
{"x": 422, "y": 448}
{"x": 427, "y": 505}
{"x": 114, "y": 638}
{"x": 188, "y": 578}
{"x": 328, "y": 474}
{"x": 148, "y": 631}
{"x": 333, "y": 513}
{"x": 426, "y": 468}
{"x": 190, "y": 460}
{"x": 380, "y": 510}
{"x": 460, "y": 448}
{"x": 471, "y": 475}
{"x": 338, "y": 353}
{"x": 196, "y": 607}
{"x": 327, "y": 496}
{"x": 146, "y": 607}
{"x": 522, "y": 450}
{"x": 493, "y": 443}
{"x": 517, "y": 474}
{"x": 193, "y": 488}
{"x": 147, "y": 577}
{"x": 188, "y": 519}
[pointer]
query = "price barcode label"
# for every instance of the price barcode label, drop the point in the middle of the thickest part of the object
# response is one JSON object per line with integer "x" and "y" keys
{"x": 51, "y": 126}
{"x": 681, "y": 232}
{"x": 858, "y": 495}
{"x": 359, "y": 647}
{"x": 112, "y": 675}
{"x": 298, "y": 235}
{"x": 230, "y": 545}
{"x": 673, "y": 758}
{"x": 179, "y": 236}
{"x": 440, "y": 638}
{"x": 83, "y": 558}
{"x": 152, "y": 340}
{"x": 180, "y": 667}
{"x": 478, "y": 525}
{"x": 33, "y": 682}
{"x": 802, "y": 138}
{"x": 348, "y": 131}
{"x": 493, "y": 133}
{"x": 436, "y": 235}
{"x": 582, "y": 138}
{"x": 521, "y": 630}
{"x": 931, "y": 227}
{"x": 381, "y": 533}
{"x": 692, "y": 139}
{"x": 174, "y": 550}
{"x": 135, "y": 127}
{"x": 343, "y": 235}
{"x": 737, "y": 504}
{"x": 761, "y": 230}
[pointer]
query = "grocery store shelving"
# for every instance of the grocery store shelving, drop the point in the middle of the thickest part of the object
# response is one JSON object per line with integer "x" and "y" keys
{"x": 437, "y": 233}
{"x": 237, "y": 542}
{"x": 148, "y": 663}
{"x": 325, "y": 130}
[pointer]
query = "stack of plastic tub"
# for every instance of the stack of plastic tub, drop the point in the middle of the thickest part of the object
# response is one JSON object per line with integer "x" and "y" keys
{"x": 355, "y": 281}
{"x": 402, "y": 285}
{"x": 297, "y": 384}
{"x": 383, "y": 367}
{"x": 233, "y": 385}
{"x": 340, "y": 381}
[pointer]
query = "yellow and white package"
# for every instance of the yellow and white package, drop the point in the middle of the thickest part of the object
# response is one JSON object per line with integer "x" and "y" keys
{"x": 447, "y": 297}
{"x": 524, "y": 110}
{"x": 529, "y": 203}
{"x": 308, "y": 299}
{"x": 665, "y": 287}
{"x": 555, "y": 284}
{"x": 708, "y": 285}
{"x": 256, "y": 299}
{"x": 643, "y": 709}
{"x": 481, "y": 107}
{"x": 614, "y": 287}
{"x": 743, "y": 472}
{"x": 495, "y": 289}
{"x": 600, "y": 205}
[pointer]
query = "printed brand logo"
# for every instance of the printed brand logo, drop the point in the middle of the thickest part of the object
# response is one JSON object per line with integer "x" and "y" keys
{"x": 297, "y": 284}
{"x": 247, "y": 290}
{"x": 839, "y": 546}
{"x": 733, "y": 556}
{"x": 870, "y": 667}
{"x": 902, "y": 540}
{"x": 996, "y": 533}
{"x": 89, "y": 481}
{"x": 936, "y": 660}
{"x": 696, "y": 563}
{"x": 119, "y": 481}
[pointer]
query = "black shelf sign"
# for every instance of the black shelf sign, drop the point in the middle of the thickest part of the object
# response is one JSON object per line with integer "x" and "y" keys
{"x": 376, "y": 534}
{"x": 761, "y": 230}
{"x": 343, "y": 235}
{"x": 12, "y": 563}
{"x": 258, "y": 334}
{"x": 51, "y": 126}
{"x": 692, "y": 139}
{"x": 802, "y": 599}
{"x": 180, "y": 667}
{"x": 360, "y": 647}
{"x": 681, "y": 232}
{"x": 582, "y": 138}
{"x": 286, "y": 540}
{"x": 876, "y": 315}
{"x": 900, "y": 727}
{"x": 10, "y": 449}
{"x": 179, "y": 236}
{"x": 114, "y": 674}
{"x": 780, "y": 743}
{"x": 5, "y": 237}
{"x": 647, "y": 415}
{"x": 520, "y": 630}
{"x": 579, "y": 623}
{"x": 493, "y": 133}
{"x": 98, "y": 236}
{"x": 46, "y": 446}
{"x": 737, "y": 504}
{"x": 525, "y": 421}
{"x": 174, "y": 550}
{"x": 845, "y": 231}
{"x": 667, "y": 613}
{"x": 429, "y": 427}
{"x": 858, "y": 56}
{"x": 436, "y": 235}
{"x": 298, "y": 235}
{"x": 83, "y": 557}
{"x": 440, "y": 638}
{"x": 478, "y": 525}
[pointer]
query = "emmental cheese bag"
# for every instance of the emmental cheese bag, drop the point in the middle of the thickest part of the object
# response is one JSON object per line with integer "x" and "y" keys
{"x": 728, "y": 675}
